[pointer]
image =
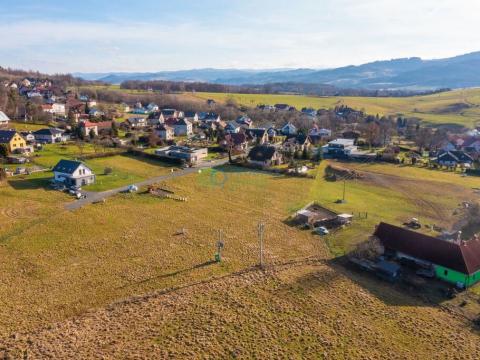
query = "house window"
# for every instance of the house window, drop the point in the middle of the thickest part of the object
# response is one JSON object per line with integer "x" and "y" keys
{"x": 445, "y": 272}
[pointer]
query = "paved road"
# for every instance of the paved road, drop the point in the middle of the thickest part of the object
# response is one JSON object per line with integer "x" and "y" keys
{"x": 92, "y": 197}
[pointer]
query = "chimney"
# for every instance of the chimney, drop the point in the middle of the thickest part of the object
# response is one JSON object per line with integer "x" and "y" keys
{"x": 459, "y": 238}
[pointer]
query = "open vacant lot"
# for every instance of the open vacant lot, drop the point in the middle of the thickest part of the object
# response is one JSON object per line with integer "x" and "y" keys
{"x": 125, "y": 169}
{"x": 58, "y": 265}
{"x": 459, "y": 107}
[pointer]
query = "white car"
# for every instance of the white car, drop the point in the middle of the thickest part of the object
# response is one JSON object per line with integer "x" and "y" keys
{"x": 322, "y": 230}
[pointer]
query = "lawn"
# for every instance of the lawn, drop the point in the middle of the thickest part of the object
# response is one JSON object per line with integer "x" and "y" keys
{"x": 21, "y": 126}
{"x": 434, "y": 109}
{"x": 63, "y": 263}
{"x": 126, "y": 170}
{"x": 51, "y": 154}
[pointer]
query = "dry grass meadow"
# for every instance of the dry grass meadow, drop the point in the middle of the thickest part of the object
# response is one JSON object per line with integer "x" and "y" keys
{"x": 121, "y": 280}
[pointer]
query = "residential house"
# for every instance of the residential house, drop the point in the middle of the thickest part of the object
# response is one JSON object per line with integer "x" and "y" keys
{"x": 282, "y": 107}
{"x": 87, "y": 127}
{"x": 28, "y": 136}
{"x": 340, "y": 147}
{"x": 172, "y": 113}
{"x": 155, "y": 118}
{"x": 125, "y": 107}
{"x": 472, "y": 145}
{"x": 191, "y": 116}
{"x": 209, "y": 117}
{"x": 257, "y": 136}
{"x": 271, "y": 132}
{"x": 140, "y": 111}
{"x": 91, "y": 103}
{"x": 165, "y": 132}
{"x": 54, "y": 109}
{"x": 137, "y": 122}
{"x": 264, "y": 155}
{"x": 309, "y": 112}
{"x": 456, "y": 262}
{"x": 152, "y": 107}
{"x": 94, "y": 112}
{"x": 244, "y": 121}
{"x": 238, "y": 142}
{"x": 34, "y": 94}
{"x": 188, "y": 154}
{"x": 351, "y": 134}
{"x": 4, "y": 119}
{"x": 73, "y": 173}
{"x": 49, "y": 136}
{"x": 453, "y": 158}
{"x": 322, "y": 133}
{"x": 26, "y": 82}
{"x": 266, "y": 108}
{"x": 289, "y": 129}
{"x": 183, "y": 127}
{"x": 297, "y": 143}
{"x": 13, "y": 140}
{"x": 232, "y": 127}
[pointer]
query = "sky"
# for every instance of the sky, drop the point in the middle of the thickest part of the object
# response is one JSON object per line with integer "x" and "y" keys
{"x": 157, "y": 35}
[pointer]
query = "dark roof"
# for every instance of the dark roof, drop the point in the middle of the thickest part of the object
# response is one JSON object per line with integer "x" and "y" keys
{"x": 261, "y": 153}
{"x": 456, "y": 155}
{"x": 67, "y": 166}
{"x": 190, "y": 114}
{"x": 6, "y": 136}
{"x": 464, "y": 258}
{"x": 255, "y": 132}
{"x": 238, "y": 138}
{"x": 168, "y": 112}
{"x": 47, "y": 131}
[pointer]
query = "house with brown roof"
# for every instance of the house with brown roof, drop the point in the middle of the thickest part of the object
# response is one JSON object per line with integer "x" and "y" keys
{"x": 238, "y": 141}
{"x": 264, "y": 156}
{"x": 456, "y": 262}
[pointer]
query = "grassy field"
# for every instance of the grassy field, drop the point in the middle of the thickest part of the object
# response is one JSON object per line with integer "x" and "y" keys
{"x": 125, "y": 169}
{"x": 19, "y": 126}
{"x": 63, "y": 264}
{"x": 460, "y": 107}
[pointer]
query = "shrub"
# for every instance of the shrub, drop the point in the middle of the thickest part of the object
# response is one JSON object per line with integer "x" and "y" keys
{"x": 107, "y": 171}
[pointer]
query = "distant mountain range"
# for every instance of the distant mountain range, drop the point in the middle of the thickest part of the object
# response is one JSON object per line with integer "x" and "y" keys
{"x": 408, "y": 73}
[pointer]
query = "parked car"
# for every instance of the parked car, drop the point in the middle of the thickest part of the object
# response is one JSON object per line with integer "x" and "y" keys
{"x": 322, "y": 230}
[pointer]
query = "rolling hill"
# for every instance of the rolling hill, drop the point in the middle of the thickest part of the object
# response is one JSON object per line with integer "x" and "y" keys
{"x": 407, "y": 73}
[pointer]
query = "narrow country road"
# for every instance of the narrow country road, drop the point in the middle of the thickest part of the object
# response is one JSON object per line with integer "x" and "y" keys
{"x": 92, "y": 197}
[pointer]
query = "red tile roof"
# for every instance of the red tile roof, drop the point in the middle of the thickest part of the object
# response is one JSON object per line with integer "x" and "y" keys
{"x": 464, "y": 258}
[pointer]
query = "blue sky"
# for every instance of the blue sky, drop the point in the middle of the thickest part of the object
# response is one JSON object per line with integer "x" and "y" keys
{"x": 155, "y": 35}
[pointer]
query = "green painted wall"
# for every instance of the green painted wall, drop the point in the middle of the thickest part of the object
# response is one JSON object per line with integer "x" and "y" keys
{"x": 454, "y": 277}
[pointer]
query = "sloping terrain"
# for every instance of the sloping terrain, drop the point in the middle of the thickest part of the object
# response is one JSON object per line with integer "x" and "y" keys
{"x": 408, "y": 73}
{"x": 299, "y": 310}
{"x": 457, "y": 108}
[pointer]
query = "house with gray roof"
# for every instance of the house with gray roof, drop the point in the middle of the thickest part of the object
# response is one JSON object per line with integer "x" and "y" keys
{"x": 73, "y": 173}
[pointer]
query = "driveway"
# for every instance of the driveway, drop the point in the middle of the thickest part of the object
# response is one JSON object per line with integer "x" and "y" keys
{"x": 92, "y": 197}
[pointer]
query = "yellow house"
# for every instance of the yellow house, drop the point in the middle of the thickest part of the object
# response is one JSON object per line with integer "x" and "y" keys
{"x": 12, "y": 139}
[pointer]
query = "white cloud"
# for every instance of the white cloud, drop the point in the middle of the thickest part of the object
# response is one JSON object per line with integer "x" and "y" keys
{"x": 251, "y": 34}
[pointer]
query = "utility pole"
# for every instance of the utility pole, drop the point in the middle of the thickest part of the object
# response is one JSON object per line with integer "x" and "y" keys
{"x": 261, "y": 231}
{"x": 344, "y": 188}
{"x": 220, "y": 246}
